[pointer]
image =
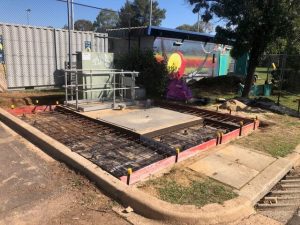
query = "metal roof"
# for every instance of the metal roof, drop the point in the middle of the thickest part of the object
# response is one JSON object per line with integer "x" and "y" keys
{"x": 180, "y": 34}
{"x": 156, "y": 31}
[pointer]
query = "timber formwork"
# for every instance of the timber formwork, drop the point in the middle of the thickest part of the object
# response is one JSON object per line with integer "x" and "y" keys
{"x": 115, "y": 149}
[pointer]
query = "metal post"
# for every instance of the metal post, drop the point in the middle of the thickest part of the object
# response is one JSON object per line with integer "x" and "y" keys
{"x": 150, "y": 19}
{"x": 114, "y": 91}
{"x": 268, "y": 71}
{"x": 66, "y": 87}
{"x": 69, "y": 33}
{"x": 70, "y": 44}
{"x": 198, "y": 21}
{"x": 91, "y": 85}
{"x": 72, "y": 15}
{"x": 28, "y": 11}
{"x": 132, "y": 86}
{"x": 281, "y": 76}
{"x": 298, "y": 107}
{"x": 122, "y": 85}
{"x": 76, "y": 90}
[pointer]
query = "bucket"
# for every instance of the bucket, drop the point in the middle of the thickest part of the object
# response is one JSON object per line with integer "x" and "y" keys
{"x": 267, "y": 89}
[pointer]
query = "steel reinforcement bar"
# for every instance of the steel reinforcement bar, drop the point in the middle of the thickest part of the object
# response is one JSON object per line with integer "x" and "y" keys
{"x": 115, "y": 149}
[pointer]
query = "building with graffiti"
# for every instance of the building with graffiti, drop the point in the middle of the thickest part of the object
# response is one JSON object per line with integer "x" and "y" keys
{"x": 192, "y": 54}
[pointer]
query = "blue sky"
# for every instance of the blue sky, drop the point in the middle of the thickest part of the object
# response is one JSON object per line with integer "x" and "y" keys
{"x": 53, "y": 13}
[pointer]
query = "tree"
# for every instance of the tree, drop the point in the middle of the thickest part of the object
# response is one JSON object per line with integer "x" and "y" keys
{"x": 137, "y": 13}
{"x": 251, "y": 26}
{"x": 83, "y": 25}
{"x": 153, "y": 75}
{"x": 106, "y": 20}
{"x": 203, "y": 27}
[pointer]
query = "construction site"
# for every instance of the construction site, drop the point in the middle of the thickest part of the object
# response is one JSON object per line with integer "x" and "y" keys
{"x": 137, "y": 123}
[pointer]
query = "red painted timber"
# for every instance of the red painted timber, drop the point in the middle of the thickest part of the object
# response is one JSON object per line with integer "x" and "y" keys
{"x": 194, "y": 150}
{"x": 30, "y": 109}
{"x": 230, "y": 136}
{"x": 155, "y": 167}
{"x": 247, "y": 128}
{"x": 148, "y": 170}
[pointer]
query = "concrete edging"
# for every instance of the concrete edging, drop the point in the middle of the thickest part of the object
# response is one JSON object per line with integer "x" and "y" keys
{"x": 141, "y": 202}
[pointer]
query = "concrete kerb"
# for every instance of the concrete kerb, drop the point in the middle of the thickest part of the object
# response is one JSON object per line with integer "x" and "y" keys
{"x": 141, "y": 202}
{"x": 261, "y": 185}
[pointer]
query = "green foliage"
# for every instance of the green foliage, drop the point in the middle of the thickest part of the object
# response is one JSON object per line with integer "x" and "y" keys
{"x": 289, "y": 44}
{"x": 251, "y": 26}
{"x": 153, "y": 75}
{"x": 203, "y": 27}
{"x": 83, "y": 25}
{"x": 106, "y": 20}
{"x": 198, "y": 193}
{"x": 137, "y": 13}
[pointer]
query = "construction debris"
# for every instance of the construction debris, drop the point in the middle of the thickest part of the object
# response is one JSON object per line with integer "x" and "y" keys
{"x": 233, "y": 105}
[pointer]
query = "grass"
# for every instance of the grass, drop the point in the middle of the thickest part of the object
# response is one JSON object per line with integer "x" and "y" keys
{"x": 262, "y": 75}
{"x": 286, "y": 99}
{"x": 184, "y": 188}
{"x": 278, "y": 139}
{"x": 199, "y": 193}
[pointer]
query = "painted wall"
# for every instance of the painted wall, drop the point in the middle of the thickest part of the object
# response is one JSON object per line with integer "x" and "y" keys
{"x": 200, "y": 58}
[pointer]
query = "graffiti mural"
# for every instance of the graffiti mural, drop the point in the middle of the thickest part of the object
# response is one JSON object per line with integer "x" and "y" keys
{"x": 193, "y": 57}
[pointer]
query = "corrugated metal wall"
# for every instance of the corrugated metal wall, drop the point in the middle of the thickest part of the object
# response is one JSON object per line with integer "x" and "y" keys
{"x": 35, "y": 56}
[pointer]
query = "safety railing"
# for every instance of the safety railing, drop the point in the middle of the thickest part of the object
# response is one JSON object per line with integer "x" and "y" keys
{"x": 83, "y": 81}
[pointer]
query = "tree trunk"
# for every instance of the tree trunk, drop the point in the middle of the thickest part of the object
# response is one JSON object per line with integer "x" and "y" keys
{"x": 253, "y": 62}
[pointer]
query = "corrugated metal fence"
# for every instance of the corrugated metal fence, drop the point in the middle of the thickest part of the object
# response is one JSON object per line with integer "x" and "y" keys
{"x": 36, "y": 56}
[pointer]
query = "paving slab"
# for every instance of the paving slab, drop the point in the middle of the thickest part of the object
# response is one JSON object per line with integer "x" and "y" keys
{"x": 233, "y": 165}
{"x": 148, "y": 120}
{"x": 247, "y": 157}
{"x": 231, "y": 173}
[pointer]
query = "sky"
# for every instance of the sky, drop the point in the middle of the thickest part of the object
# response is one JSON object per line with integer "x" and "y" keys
{"x": 54, "y": 13}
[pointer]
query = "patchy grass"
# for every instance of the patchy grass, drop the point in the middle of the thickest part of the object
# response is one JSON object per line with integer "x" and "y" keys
{"x": 278, "y": 139}
{"x": 286, "y": 99}
{"x": 199, "y": 193}
{"x": 262, "y": 73}
{"x": 184, "y": 187}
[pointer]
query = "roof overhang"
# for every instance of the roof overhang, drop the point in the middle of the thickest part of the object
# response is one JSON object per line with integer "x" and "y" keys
{"x": 154, "y": 31}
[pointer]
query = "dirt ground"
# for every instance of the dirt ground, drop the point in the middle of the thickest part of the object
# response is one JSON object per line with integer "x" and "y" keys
{"x": 55, "y": 194}
{"x": 256, "y": 219}
{"x": 29, "y": 97}
{"x": 35, "y": 189}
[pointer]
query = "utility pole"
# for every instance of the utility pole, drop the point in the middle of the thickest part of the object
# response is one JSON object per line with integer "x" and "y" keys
{"x": 69, "y": 8}
{"x": 28, "y": 11}
{"x": 72, "y": 14}
{"x": 150, "y": 19}
{"x": 198, "y": 21}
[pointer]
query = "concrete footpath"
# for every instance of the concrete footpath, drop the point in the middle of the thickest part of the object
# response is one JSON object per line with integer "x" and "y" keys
{"x": 35, "y": 189}
{"x": 251, "y": 173}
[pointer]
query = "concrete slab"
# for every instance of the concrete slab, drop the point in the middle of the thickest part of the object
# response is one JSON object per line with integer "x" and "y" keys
{"x": 148, "y": 120}
{"x": 244, "y": 163}
{"x": 228, "y": 172}
{"x": 247, "y": 157}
